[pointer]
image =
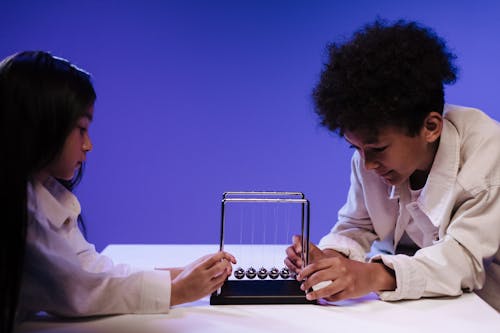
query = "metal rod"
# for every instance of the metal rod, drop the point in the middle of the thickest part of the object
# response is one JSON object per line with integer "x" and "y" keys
{"x": 268, "y": 200}
{"x": 229, "y": 193}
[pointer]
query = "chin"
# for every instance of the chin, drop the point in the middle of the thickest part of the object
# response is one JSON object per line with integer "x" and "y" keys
{"x": 67, "y": 177}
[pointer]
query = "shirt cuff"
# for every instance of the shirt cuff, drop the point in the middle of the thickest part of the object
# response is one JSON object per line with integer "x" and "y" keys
{"x": 156, "y": 291}
{"x": 410, "y": 284}
{"x": 344, "y": 245}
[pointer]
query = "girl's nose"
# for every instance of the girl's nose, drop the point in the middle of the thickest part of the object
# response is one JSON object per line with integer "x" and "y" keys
{"x": 87, "y": 145}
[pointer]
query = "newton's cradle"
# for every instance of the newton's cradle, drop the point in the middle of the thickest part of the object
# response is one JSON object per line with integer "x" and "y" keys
{"x": 257, "y": 227}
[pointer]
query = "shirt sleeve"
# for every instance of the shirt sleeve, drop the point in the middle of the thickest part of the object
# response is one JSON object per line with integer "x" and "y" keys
{"x": 89, "y": 259}
{"x": 353, "y": 234}
{"x": 55, "y": 282}
{"x": 456, "y": 262}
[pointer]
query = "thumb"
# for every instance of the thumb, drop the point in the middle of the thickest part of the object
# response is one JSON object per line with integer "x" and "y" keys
{"x": 314, "y": 251}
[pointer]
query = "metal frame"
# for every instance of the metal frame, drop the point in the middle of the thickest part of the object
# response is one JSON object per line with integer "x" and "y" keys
{"x": 269, "y": 291}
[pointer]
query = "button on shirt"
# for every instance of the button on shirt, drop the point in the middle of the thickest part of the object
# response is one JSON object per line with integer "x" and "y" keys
{"x": 454, "y": 222}
{"x": 65, "y": 275}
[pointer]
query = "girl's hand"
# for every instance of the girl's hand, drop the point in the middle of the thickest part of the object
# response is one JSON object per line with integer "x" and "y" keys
{"x": 349, "y": 278}
{"x": 201, "y": 277}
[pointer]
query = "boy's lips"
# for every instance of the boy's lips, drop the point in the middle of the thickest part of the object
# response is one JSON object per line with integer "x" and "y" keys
{"x": 384, "y": 174}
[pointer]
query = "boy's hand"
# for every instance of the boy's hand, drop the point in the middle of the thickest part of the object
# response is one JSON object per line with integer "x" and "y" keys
{"x": 201, "y": 277}
{"x": 294, "y": 260}
{"x": 349, "y": 278}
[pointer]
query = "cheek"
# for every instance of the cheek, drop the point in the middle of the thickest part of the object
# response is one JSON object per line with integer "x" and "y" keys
{"x": 398, "y": 160}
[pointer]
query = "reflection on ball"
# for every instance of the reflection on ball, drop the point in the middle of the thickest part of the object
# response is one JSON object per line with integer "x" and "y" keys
{"x": 262, "y": 274}
{"x": 251, "y": 273}
{"x": 239, "y": 273}
{"x": 274, "y": 273}
{"x": 285, "y": 273}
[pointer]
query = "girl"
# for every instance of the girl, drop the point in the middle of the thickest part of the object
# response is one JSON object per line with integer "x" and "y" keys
{"x": 46, "y": 108}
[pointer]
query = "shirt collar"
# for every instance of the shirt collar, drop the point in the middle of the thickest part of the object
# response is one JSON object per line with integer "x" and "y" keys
{"x": 56, "y": 202}
{"x": 437, "y": 192}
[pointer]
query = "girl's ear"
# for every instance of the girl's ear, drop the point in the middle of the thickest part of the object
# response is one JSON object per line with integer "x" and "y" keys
{"x": 433, "y": 126}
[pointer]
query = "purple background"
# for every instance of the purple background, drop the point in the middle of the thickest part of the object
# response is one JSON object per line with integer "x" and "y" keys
{"x": 200, "y": 97}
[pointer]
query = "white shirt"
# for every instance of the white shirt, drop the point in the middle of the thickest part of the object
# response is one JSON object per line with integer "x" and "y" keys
{"x": 455, "y": 220}
{"x": 63, "y": 273}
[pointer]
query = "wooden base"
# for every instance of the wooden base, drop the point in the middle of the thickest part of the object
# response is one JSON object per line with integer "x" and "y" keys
{"x": 260, "y": 292}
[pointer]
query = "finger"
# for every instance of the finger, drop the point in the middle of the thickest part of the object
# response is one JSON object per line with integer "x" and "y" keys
{"x": 229, "y": 267}
{"x": 291, "y": 266}
{"x": 314, "y": 250}
{"x": 221, "y": 267}
{"x": 337, "y": 297}
{"x": 297, "y": 243}
{"x": 336, "y": 291}
{"x": 293, "y": 257}
{"x": 315, "y": 253}
{"x": 217, "y": 257}
{"x": 217, "y": 282}
{"x": 330, "y": 263}
{"x": 318, "y": 277}
{"x": 290, "y": 251}
{"x": 229, "y": 257}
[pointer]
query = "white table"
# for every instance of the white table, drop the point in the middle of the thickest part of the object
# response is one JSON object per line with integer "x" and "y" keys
{"x": 467, "y": 313}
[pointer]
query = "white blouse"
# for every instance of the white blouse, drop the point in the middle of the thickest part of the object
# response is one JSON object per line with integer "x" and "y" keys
{"x": 63, "y": 273}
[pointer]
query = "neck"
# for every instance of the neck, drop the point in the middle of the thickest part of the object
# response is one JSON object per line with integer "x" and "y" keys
{"x": 41, "y": 176}
{"x": 419, "y": 177}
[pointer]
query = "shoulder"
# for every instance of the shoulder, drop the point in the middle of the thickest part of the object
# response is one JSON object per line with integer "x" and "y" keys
{"x": 469, "y": 120}
{"x": 479, "y": 148}
{"x": 475, "y": 129}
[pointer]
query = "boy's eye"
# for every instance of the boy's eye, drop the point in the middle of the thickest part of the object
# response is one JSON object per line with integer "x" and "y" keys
{"x": 379, "y": 149}
{"x": 83, "y": 130}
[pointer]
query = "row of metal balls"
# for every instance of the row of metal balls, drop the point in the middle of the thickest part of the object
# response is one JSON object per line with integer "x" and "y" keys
{"x": 263, "y": 273}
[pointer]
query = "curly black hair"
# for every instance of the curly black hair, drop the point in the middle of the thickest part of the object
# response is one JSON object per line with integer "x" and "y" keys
{"x": 385, "y": 75}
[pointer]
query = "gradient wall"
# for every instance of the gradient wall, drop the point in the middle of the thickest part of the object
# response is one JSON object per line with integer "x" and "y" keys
{"x": 200, "y": 97}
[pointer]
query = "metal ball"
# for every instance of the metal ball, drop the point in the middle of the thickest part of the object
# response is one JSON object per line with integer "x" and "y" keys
{"x": 251, "y": 273}
{"x": 285, "y": 273}
{"x": 274, "y": 273}
{"x": 262, "y": 274}
{"x": 239, "y": 273}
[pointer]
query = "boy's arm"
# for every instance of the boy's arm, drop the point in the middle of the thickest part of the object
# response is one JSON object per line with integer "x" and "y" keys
{"x": 353, "y": 234}
{"x": 456, "y": 261}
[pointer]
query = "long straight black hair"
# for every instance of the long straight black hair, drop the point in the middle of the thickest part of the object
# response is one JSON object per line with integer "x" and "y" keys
{"x": 41, "y": 99}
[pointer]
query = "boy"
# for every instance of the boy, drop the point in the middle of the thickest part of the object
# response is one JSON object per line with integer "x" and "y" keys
{"x": 425, "y": 176}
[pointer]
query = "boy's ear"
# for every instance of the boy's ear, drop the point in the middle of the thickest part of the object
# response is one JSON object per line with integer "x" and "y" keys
{"x": 433, "y": 125}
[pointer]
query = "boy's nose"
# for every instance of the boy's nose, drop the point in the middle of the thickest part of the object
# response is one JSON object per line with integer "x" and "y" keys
{"x": 370, "y": 162}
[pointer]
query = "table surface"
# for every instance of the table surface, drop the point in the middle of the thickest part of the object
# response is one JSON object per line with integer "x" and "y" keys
{"x": 467, "y": 313}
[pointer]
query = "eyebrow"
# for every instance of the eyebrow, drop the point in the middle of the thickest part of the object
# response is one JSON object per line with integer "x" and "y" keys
{"x": 88, "y": 115}
{"x": 368, "y": 142}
